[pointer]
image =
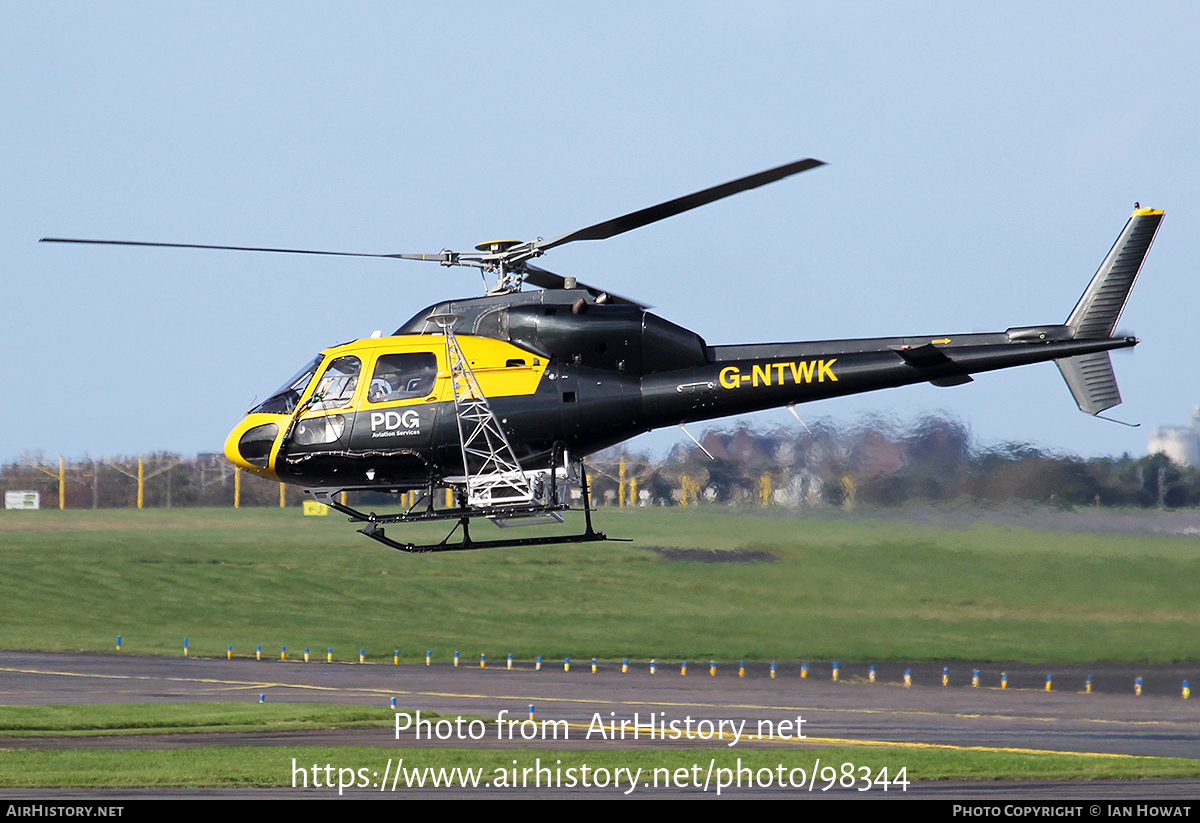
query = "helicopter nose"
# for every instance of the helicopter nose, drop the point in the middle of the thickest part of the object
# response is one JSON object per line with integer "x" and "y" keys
{"x": 250, "y": 443}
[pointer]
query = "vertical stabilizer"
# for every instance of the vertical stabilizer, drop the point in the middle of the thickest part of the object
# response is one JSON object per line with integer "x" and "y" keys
{"x": 1100, "y": 308}
{"x": 1091, "y": 381}
{"x": 1090, "y": 376}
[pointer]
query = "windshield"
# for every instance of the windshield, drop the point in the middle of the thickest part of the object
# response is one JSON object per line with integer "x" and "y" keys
{"x": 284, "y": 399}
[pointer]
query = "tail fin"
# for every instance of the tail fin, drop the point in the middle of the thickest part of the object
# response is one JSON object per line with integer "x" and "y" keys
{"x": 1098, "y": 310}
{"x": 1090, "y": 376}
{"x": 1091, "y": 381}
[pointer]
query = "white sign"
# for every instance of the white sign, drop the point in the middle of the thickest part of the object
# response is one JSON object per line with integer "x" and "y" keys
{"x": 22, "y": 500}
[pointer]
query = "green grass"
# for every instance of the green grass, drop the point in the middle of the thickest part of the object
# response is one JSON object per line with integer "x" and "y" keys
{"x": 184, "y": 718}
{"x": 845, "y": 588}
{"x": 273, "y": 766}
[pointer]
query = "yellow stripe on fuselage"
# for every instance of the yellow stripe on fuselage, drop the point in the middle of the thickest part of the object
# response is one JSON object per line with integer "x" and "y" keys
{"x": 489, "y": 360}
{"x": 488, "y": 357}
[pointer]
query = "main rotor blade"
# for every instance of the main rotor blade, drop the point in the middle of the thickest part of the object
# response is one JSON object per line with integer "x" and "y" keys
{"x": 436, "y": 257}
{"x": 637, "y": 219}
{"x": 544, "y": 279}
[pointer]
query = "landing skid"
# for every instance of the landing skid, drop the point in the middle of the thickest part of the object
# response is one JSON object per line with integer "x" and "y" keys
{"x": 375, "y": 532}
{"x": 463, "y": 514}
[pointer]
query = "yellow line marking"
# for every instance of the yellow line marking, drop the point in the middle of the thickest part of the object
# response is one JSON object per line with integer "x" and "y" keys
{"x": 835, "y": 710}
{"x": 847, "y": 741}
{"x": 246, "y": 684}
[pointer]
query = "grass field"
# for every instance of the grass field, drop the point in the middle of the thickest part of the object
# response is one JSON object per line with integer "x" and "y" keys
{"x": 273, "y": 765}
{"x": 808, "y": 586}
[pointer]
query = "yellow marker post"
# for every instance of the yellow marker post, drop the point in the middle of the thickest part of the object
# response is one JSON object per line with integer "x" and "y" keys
{"x": 282, "y": 496}
{"x": 283, "y": 652}
{"x": 396, "y": 657}
{"x": 141, "y": 481}
{"x": 61, "y": 477}
{"x": 237, "y": 489}
{"x": 621, "y": 484}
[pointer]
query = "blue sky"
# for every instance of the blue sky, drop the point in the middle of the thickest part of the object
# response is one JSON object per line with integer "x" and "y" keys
{"x": 982, "y": 159}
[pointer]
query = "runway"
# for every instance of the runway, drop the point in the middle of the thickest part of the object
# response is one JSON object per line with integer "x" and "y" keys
{"x": 705, "y": 709}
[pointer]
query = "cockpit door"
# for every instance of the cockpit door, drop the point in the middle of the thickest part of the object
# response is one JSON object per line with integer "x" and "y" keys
{"x": 324, "y": 424}
{"x": 395, "y": 420}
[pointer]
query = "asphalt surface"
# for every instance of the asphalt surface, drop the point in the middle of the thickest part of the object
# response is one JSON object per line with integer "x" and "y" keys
{"x": 1111, "y": 720}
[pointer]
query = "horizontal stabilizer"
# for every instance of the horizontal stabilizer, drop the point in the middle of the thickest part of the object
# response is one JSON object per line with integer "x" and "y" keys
{"x": 1101, "y": 305}
{"x": 938, "y": 369}
{"x": 1091, "y": 381}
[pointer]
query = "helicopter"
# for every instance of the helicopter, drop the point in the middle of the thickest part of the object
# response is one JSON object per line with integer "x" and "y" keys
{"x": 498, "y": 399}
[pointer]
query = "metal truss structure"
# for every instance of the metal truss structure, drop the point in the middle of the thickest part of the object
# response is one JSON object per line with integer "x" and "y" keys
{"x": 493, "y": 473}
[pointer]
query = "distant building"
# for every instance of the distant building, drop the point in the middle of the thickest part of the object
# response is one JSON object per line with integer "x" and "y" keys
{"x": 1180, "y": 443}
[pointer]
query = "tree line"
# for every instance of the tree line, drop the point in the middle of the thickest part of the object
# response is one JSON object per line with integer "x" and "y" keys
{"x": 872, "y": 462}
{"x": 880, "y": 463}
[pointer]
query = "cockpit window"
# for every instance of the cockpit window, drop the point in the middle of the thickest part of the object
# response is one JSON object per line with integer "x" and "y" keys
{"x": 337, "y": 385}
{"x": 284, "y": 399}
{"x": 402, "y": 377}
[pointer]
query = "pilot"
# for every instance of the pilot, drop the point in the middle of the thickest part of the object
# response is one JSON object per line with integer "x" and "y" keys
{"x": 380, "y": 389}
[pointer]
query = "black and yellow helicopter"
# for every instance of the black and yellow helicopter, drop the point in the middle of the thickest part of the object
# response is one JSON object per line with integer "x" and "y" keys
{"x": 499, "y": 398}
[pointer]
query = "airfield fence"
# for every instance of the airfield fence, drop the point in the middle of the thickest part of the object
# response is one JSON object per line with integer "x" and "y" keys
{"x": 934, "y": 460}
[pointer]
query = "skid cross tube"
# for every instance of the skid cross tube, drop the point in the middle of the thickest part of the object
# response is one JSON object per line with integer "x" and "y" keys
{"x": 463, "y": 514}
